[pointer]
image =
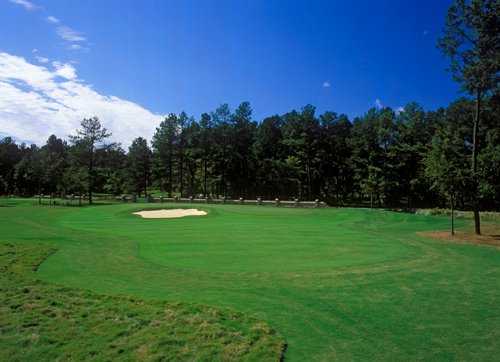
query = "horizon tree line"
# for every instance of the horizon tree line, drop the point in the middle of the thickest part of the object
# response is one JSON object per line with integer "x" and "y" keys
{"x": 411, "y": 158}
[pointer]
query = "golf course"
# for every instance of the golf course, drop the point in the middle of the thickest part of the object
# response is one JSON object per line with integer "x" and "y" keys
{"x": 300, "y": 284}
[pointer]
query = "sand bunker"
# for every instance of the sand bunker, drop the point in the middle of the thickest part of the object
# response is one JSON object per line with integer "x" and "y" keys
{"x": 169, "y": 213}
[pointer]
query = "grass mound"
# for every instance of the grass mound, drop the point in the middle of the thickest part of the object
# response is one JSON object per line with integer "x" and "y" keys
{"x": 40, "y": 321}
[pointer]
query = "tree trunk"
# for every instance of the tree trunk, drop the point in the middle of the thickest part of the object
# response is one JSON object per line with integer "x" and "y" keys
{"x": 475, "y": 203}
{"x": 191, "y": 180}
{"x": 408, "y": 201}
{"x": 181, "y": 174}
{"x": 91, "y": 173}
{"x": 452, "y": 216}
{"x": 170, "y": 184}
{"x": 205, "y": 177}
{"x": 308, "y": 170}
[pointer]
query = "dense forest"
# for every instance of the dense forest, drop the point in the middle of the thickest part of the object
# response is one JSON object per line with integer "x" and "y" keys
{"x": 407, "y": 158}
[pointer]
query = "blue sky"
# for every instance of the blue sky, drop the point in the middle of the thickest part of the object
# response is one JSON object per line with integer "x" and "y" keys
{"x": 169, "y": 56}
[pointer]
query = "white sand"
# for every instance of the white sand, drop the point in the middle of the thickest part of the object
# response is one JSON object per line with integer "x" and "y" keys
{"x": 169, "y": 213}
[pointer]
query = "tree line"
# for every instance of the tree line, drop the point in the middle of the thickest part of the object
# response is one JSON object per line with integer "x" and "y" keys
{"x": 410, "y": 158}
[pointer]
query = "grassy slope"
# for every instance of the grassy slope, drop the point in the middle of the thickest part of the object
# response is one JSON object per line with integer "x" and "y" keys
{"x": 336, "y": 283}
{"x": 44, "y": 322}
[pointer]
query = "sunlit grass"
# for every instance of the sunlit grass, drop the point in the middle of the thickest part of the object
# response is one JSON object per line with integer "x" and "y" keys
{"x": 336, "y": 283}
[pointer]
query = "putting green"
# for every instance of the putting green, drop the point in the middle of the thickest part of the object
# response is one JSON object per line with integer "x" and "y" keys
{"x": 336, "y": 283}
{"x": 249, "y": 240}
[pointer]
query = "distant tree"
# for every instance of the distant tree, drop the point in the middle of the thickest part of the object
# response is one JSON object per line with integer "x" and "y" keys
{"x": 87, "y": 140}
{"x": 54, "y": 159}
{"x": 471, "y": 39}
{"x": 10, "y": 155}
{"x": 223, "y": 120}
{"x": 30, "y": 172}
{"x": 372, "y": 142}
{"x": 164, "y": 148}
{"x": 112, "y": 174}
{"x": 414, "y": 130}
{"x": 241, "y": 172}
{"x": 193, "y": 155}
{"x": 382, "y": 156}
{"x": 74, "y": 179}
{"x": 206, "y": 148}
{"x": 373, "y": 184}
{"x": 139, "y": 156}
{"x": 489, "y": 157}
{"x": 334, "y": 152}
{"x": 444, "y": 165}
{"x": 181, "y": 145}
{"x": 269, "y": 151}
{"x": 301, "y": 133}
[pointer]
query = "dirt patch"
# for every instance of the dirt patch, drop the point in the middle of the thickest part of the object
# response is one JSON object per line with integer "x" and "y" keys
{"x": 490, "y": 235}
{"x": 169, "y": 213}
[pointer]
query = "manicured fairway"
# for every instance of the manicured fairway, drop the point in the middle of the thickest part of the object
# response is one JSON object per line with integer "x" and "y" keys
{"x": 336, "y": 283}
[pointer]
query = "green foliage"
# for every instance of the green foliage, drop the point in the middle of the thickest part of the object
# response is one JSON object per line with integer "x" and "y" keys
{"x": 164, "y": 141}
{"x": 86, "y": 142}
{"x": 378, "y": 159}
{"x": 471, "y": 39}
{"x": 139, "y": 167}
{"x": 446, "y": 163}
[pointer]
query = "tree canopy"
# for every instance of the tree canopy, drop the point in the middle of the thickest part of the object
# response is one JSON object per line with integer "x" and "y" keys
{"x": 406, "y": 159}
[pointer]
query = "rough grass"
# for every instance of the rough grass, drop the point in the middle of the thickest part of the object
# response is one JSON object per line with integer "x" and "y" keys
{"x": 485, "y": 215}
{"x": 490, "y": 235}
{"x": 43, "y": 322}
{"x": 338, "y": 284}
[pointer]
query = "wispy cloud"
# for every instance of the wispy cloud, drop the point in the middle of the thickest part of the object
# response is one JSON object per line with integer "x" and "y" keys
{"x": 65, "y": 32}
{"x": 76, "y": 47}
{"x": 326, "y": 84}
{"x": 41, "y": 59}
{"x": 68, "y": 34}
{"x": 399, "y": 110}
{"x": 378, "y": 104}
{"x": 53, "y": 20}
{"x": 39, "y": 100}
{"x": 28, "y": 5}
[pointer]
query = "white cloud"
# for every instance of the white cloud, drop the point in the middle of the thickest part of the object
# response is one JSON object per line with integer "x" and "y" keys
{"x": 326, "y": 84}
{"x": 28, "y": 5}
{"x": 53, "y": 19}
{"x": 41, "y": 59}
{"x": 378, "y": 104}
{"x": 68, "y": 34}
{"x": 36, "y": 102}
{"x": 399, "y": 110}
{"x": 64, "y": 70}
{"x": 76, "y": 47}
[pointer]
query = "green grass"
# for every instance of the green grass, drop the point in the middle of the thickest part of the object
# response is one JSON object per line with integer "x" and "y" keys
{"x": 335, "y": 283}
{"x": 45, "y": 322}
